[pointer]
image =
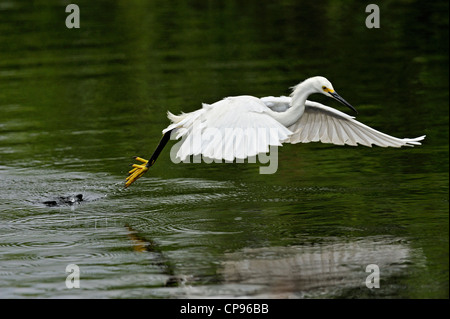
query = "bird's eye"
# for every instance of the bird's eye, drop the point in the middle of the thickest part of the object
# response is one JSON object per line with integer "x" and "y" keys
{"x": 324, "y": 88}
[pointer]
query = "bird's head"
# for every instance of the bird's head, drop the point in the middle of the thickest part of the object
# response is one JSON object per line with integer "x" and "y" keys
{"x": 321, "y": 85}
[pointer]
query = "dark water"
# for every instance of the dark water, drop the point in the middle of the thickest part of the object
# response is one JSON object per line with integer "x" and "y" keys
{"x": 77, "y": 104}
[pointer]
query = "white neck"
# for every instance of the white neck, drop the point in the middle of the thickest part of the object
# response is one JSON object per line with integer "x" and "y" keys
{"x": 299, "y": 96}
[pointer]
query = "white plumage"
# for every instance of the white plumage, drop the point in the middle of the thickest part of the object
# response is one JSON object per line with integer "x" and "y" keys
{"x": 235, "y": 127}
{"x": 321, "y": 123}
{"x": 244, "y": 126}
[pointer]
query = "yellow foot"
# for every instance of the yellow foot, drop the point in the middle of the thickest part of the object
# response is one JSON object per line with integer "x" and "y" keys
{"x": 137, "y": 171}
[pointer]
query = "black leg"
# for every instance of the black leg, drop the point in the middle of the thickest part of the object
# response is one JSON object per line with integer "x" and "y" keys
{"x": 159, "y": 148}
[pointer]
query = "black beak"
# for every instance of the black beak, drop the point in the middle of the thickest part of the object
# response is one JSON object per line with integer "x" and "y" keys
{"x": 340, "y": 99}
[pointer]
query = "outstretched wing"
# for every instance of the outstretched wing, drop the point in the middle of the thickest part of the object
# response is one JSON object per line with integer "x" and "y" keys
{"x": 235, "y": 127}
{"x": 328, "y": 125}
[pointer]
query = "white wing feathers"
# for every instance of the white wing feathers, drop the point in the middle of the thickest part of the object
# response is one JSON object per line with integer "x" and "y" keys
{"x": 240, "y": 127}
{"x": 328, "y": 125}
{"x": 235, "y": 127}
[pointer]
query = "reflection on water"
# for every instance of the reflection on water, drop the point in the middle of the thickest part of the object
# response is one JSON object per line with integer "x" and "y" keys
{"x": 111, "y": 254}
{"x": 161, "y": 252}
{"x": 144, "y": 245}
{"x": 309, "y": 271}
{"x": 323, "y": 269}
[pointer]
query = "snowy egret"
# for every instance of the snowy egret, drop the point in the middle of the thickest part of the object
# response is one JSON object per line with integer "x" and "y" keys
{"x": 291, "y": 119}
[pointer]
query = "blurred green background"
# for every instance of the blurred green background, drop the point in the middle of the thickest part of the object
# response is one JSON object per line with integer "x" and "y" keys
{"x": 76, "y": 104}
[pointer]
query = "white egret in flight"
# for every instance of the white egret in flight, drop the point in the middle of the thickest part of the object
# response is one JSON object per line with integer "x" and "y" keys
{"x": 291, "y": 119}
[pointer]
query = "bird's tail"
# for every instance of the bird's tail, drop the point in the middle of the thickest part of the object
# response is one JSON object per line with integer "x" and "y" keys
{"x": 176, "y": 118}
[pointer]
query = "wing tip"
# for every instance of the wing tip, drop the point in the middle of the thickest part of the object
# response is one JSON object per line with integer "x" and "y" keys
{"x": 414, "y": 141}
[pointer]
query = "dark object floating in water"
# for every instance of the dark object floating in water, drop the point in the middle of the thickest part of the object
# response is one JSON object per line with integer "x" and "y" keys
{"x": 64, "y": 200}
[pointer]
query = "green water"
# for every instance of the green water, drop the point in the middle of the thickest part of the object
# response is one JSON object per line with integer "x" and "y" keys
{"x": 77, "y": 104}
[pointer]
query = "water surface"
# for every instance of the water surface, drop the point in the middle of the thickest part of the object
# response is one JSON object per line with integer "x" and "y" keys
{"x": 76, "y": 105}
